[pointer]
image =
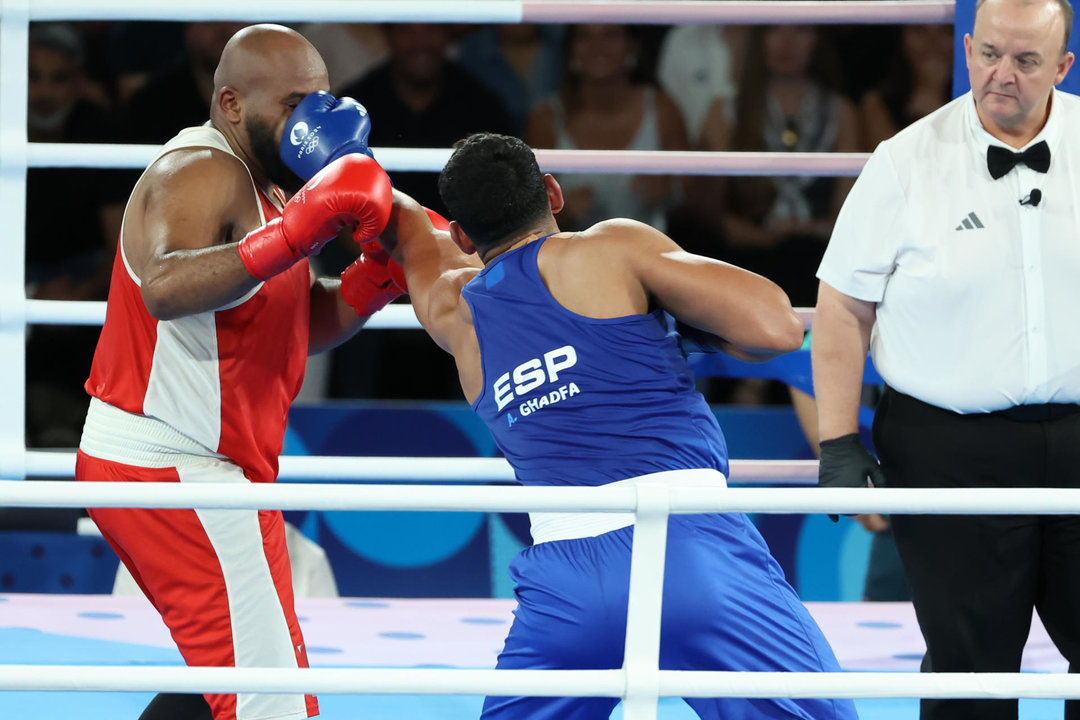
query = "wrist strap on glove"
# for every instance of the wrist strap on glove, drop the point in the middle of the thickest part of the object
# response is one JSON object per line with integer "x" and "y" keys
{"x": 265, "y": 252}
{"x": 369, "y": 285}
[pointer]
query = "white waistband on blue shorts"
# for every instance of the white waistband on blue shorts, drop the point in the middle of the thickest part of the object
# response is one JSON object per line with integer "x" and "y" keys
{"x": 547, "y": 527}
{"x": 119, "y": 436}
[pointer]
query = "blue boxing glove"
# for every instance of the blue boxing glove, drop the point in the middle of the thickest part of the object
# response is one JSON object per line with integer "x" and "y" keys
{"x": 322, "y": 129}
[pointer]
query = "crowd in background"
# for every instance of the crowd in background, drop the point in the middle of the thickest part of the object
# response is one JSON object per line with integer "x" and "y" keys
{"x": 775, "y": 88}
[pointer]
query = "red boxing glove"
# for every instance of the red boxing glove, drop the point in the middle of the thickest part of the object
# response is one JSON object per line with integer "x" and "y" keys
{"x": 375, "y": 279}
{"x": 371, "y": 247}
{"x": 353, "y": 190}
{"x": 369, "y": 284}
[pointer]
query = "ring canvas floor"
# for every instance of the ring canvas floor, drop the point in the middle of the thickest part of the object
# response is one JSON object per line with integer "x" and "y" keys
{"x": 376, "y": 632}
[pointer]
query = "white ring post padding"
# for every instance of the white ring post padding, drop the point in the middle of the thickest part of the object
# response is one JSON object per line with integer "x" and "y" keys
{"x": 641, "y": 655}
{"x": 45, "y": 463}
{"x": 534, "y": 683}
{"x": 647, "y": 162}
{"x": 507, "y": 11}
{"x": 434, "y": 498}
{"x": 14, "y": 73}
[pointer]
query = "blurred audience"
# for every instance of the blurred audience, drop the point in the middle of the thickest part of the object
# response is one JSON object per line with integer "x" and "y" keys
{"x": 918, "y": 81}
{"x": 787, "y": 102}
{"x": 584, "y": 86}
{"x": 522, "y": 64}
{"x": 73, "y": 218}
{"x": 697, "y": 68}
{"x": 349, "y": 50}
{"x": 418, "y": 97}
{"x": 602, "y": 106}
{"x": 179, "y": 96}
{"x": 138, "y": 50}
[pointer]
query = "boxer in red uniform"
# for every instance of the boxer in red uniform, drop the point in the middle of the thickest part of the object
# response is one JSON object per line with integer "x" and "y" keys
{"x": 212, "y": 311}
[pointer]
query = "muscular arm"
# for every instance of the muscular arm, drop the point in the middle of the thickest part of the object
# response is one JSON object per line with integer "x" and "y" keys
{"x": 333, "y": 321}
{"x": 435, "y": 269}
{"x": 841, "y": 337}
{"x": 181, "y": 234}
{"x": 750, "y": 316}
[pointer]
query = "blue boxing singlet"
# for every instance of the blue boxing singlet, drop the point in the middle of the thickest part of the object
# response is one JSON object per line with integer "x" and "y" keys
{"x": 573, "y": 400}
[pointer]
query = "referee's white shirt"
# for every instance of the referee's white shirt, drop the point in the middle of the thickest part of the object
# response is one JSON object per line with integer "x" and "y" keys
{"x": 978, "y": 296}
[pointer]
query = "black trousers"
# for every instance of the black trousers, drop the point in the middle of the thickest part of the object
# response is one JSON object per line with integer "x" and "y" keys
{"x": 976, "y": 578}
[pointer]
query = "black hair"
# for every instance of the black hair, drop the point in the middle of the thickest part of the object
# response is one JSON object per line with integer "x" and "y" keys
{"x": 493, "y": 188}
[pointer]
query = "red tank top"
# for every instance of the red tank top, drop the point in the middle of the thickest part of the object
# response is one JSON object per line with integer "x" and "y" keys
{"x": 223, "y": 378}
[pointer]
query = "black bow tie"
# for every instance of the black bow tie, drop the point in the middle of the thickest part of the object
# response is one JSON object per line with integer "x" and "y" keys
{"x": 1001, "y": 160}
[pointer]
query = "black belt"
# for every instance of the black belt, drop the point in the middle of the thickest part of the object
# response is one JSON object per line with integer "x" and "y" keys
{"x": 1039, "y": 413}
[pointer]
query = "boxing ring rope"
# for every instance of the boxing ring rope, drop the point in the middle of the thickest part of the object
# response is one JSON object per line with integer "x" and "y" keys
{"x": 621, "y": 499}
{"x": 639, "y": 682}
{"x": 535, "y": 683}
{"x": 46, "y": 464}
{"x": 686, "y": 12}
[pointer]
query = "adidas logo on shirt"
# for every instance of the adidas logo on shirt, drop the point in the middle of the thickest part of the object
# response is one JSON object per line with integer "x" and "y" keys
{"x": 971, "y": 222}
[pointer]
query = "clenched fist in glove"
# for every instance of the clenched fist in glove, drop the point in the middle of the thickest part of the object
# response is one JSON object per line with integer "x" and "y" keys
{"x": 352, "y": 191}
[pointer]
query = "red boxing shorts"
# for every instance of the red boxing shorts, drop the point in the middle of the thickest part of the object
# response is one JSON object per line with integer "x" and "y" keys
{"x": 220, "y": 579}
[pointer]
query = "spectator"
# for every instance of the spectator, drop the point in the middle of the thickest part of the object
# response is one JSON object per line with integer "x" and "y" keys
{"x": 179, "y": 96}
{"x": 696, "y": 69}
{"x": 139, "y": 50}
{"x": 778, "y": 226}
{"x": 349, "y": 49}
{"x": 919, "y": 81}
{"x": 522, "y": 64}
{"x": 602, "y": 107}
{"x": 420, "y": 98}
{"x": 65, "y": 264}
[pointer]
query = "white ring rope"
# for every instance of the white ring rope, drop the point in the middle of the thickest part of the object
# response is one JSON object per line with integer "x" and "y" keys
{"x": 82, "y": 312}
{"x": 535, "y": 683}
{"x": 624, "y": 499}
{"x": 647, "y": 162}
{"x": 50, "y": 464}
{"x": 509, "y": 11}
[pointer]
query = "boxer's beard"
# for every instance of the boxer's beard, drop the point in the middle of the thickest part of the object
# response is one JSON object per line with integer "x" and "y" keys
{"x": 265, "y": 151}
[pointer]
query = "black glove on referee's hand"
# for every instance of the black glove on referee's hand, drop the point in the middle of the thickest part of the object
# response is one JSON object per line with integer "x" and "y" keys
{"x": 846, "y": 463}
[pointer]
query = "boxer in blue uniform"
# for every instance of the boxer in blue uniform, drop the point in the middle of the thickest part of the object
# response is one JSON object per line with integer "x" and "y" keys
{"x": 564, "y": 345}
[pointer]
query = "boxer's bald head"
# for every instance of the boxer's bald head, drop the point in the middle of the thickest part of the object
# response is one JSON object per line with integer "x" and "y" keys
{"x": 265, "y": 70}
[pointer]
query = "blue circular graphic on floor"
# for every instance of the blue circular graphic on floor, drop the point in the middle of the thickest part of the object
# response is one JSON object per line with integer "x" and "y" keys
{"x": 402, "y": 635}
{"x": 366, "y": 604}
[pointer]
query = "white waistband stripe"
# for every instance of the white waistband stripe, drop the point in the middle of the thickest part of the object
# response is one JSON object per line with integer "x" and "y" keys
{"x": 548, "y": 527}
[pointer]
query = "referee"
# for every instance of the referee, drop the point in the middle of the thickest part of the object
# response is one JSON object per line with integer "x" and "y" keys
{"x": 956, "y": 260}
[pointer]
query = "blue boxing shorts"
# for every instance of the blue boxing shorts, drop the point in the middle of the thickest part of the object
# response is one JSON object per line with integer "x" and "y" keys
{"x": 726, "y": 606}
